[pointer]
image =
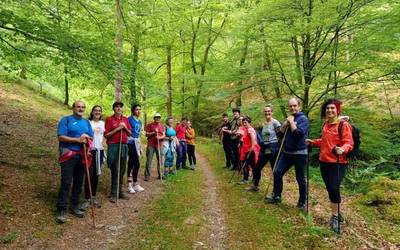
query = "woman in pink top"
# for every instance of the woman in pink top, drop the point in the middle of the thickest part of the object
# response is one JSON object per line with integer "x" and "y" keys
{"x": 249, "y": 150}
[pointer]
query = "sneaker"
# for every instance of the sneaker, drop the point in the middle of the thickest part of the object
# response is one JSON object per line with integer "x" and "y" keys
{"x": 253, "y": 189}
{"x": 75, "y": 211}
{"x": 123, "y": 196}
{"x": 335, "y": 225}
{"x": 138, "y": 188}
{"x": 131, "y": 190}
{"x": 85, "y": 205}
{"x": 96, "y": 202}
{"x": 341, "y": 219}
{"x": 273, "y": 199}
{"x": 192, "y": 167}
{"x": 60, "y": 217}
{"x": 242, "y": 182}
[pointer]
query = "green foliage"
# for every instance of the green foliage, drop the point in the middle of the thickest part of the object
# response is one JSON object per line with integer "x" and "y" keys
{"x": 384, "y": 194}
{"x": 8, "y": 238}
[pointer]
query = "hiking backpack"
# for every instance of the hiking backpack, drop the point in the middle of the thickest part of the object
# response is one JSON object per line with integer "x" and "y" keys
{"x": 356, "y": 135}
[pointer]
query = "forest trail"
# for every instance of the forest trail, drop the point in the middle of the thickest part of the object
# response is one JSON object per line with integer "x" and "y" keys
{"x": 214, "y": 228}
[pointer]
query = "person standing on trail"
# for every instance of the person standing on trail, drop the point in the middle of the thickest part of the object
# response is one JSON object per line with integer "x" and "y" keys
{"x": 190, "y": 139}
{"x": 134, "y": 150}
{"x": 294, "y": 131}
{"x": 73, "y": 131}
{"x": 269, "y": 147}
{"x": 249, "y": 150}
{"x": 169, "y": 146}
{"x": 182, "y": 148}
{"x": 335, "y": 143}
{"x": 117, "y": 130}
{"x": 98, "y": 157}
{"x": 234, "y": 138}
{"x": 154, "y": 133}
{"x": 226, "y": 140}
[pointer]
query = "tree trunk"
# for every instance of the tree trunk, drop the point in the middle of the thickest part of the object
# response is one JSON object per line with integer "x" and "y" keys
{"x": 66, "y": 85}
{"x": 119, "y": 52}
{"x": 169, "y": 82}
{"x": 135, "y": 59}
{"x": 242, "y": 71}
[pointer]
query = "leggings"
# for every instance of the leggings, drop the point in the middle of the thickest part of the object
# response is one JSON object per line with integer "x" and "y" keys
{"x": 191, "y": 154}
{"x": 329, "y": 173}
{"x": 262, "y": 160}
{"x": 248, "y": 163}
{"x": 133, "y": 163}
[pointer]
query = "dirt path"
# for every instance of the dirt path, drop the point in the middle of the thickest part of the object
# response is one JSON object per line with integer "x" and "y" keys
{"x": 214, "y": 231}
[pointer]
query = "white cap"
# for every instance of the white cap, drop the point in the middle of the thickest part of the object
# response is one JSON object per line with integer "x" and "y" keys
{"x": 157, "y": 115}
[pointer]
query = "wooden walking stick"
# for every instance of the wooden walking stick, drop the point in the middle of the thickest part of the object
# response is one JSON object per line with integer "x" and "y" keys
{"x": 90, "y": 185}
{"x": 277, "y": 160}
{"x": 118, "y": 167}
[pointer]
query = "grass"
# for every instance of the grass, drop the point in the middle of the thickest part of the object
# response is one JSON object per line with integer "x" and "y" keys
{"x": 254, "y": 225}
{"x": 173, "y": 220}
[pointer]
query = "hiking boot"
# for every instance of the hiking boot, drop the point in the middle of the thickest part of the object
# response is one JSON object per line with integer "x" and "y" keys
{"x": 242, "y": 182}
{"x": 138, "y": 188}
{"x": 85, "y": 205}
{"x": 123, "y": 196}
{"x": 335, "y": 226}
{"x": 273, "y": 199}
{"x": 113, "y": 199}
{"x": 146, "y": 178}
{"x": 253, "y": 189}
{"x": 96, "y": 202}
{"x": 131, "y": 190}
{"x": 301, "y": 206}
{"x": 60, "y": 216}
{"x": 341, "y": 219}
{"x": 75, "y": 211}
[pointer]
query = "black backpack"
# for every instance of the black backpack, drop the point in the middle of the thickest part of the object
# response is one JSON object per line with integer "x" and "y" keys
{"x": 356, "y": 135}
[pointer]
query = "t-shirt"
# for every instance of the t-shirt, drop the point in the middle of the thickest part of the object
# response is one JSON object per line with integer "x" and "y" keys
{"x": 268, "y": 132}
{"x": 112, "y": 123}
{"x": 180, "y": 132}
{"x": 98, "y": 130}
{"x": 154, "y": 127}
{"x": 73, "y": 126}
{"x": 136, "y": 127}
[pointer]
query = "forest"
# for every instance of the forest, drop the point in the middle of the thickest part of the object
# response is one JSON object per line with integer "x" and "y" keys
{"x": 201, "y": 58}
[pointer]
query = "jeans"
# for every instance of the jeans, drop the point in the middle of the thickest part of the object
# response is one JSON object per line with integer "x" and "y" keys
{"x": 133, "y": 163}
{"x": 72, "y": 173}
{"x": 285, "y": 162}
{"x": 191, "y": 154}
{"x": 333, "y": 174}
{"x": 150, "y": 151}
{"x": 181, "y": 155}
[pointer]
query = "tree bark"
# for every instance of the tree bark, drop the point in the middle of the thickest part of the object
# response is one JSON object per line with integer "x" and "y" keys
{"x": 66, "y": 86}
{"x": 135, "y": 59}
{"x": 119, "y": 52}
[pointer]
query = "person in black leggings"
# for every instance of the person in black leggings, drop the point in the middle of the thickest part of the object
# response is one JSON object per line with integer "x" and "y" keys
{"x": 190, "y": 139}
{"x": 269, "y": 147}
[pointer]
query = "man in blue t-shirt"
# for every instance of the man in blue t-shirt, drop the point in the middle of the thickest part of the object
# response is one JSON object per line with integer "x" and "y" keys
{"x": 73, "y": 131}
{"x": 135, "y": 150}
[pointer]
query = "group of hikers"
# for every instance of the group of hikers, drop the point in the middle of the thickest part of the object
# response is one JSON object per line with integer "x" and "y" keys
{"x": 247, "y": 150}
{"x": 283, "y": 145}
{"x": 82, "y": 153}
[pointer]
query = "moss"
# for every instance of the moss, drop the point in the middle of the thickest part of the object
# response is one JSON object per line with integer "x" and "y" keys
{"x": 384, "y": 194}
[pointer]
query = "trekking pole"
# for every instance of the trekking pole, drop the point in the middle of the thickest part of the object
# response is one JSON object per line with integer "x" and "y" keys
{"x": 241, "y": 168}
{"x": 308, "y": 176}
{"x": 277, "y": 160}
{"x": 90, "y": 185}
{"x": 118, "y": 167}
{"x": 338, "y": 179}
{"x": 159, "y": 157}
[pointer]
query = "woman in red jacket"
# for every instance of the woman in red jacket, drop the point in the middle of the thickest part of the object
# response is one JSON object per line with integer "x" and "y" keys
{"x": 335, "y": 142}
